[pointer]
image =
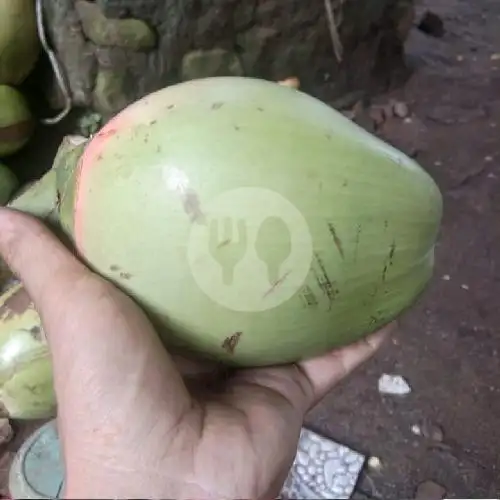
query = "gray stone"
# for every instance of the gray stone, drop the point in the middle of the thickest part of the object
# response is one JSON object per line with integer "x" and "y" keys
{"x": 89, "y": 123}
{"x": 74, "y": 53}
{"x": 132, "y": 34}
{"x": 110, "y": 95}
{"x": 243, "y": 14}
{"x": 205, "y": 63}
{"x": 270, "y": 39}
{"x": 404, "y": 18}
{"x": 254, "y": 44}
{"x": 128, "y": 8}
{"x": 113, "y": 9}
{"x": 429, "y": 490}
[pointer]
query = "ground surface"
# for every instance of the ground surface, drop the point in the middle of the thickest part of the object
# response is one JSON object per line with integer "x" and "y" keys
{"x": 448, "y": 346}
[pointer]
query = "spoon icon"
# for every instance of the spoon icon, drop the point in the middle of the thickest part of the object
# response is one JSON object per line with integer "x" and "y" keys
{"x": 273, "y": 245}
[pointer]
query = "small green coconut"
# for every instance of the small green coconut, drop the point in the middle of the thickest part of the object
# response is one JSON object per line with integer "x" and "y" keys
{"x": 16, "y": 121}
{"x": 26, "y": 381}
{"x": 19, "y": 44}
{"x": 8, "y": 184}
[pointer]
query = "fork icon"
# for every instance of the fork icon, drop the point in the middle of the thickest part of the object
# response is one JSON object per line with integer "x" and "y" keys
{"x": 228, "y": 245}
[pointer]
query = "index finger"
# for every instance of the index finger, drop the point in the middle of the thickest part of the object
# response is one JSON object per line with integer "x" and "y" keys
{"x": 97, "y": 335}
{"x": 34, "y": 255}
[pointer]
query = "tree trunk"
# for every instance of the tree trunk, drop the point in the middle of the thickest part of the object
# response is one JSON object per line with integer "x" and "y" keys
{"x": 116, "y": 51}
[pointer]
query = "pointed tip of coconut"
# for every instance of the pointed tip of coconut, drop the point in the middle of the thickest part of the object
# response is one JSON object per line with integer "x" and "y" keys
{"x": 39, "y": 198}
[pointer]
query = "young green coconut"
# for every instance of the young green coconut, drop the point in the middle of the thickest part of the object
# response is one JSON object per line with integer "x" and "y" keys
{"x": 26, "y": 383}
{"x": 253, "y": 223}
{"x": 8, "y": 184}
{"x": 16, "y": 121}
{"x": 19, "y": 44}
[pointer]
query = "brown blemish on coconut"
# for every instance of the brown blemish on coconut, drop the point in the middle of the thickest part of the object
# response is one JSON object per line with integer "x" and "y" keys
{"x": 32, "y": 389}
{"x": 58, "y": 199}
{"x": 389, "y": 261}
{"x": 308, "y": 297}
{"x": 17, "y": 131}
{"x": 276, "y": 284}
{"x": 336, "y": 239}
{"x": 191, "y": 203}
{"x": 16, "y": 304}
{"x": 224, "y": 243}
{"x": 217, "y": 105}
{"x": 231, "y": 342}
{"x": 114, "y": 267}
{"x": 356, "y": 242}
{"x": 384, "y": 272}
{"x": 125, "y": 276}
{"x": 36, "y": 333}
{"x": 391, "y": 253}
{"x": 324, "y": 282}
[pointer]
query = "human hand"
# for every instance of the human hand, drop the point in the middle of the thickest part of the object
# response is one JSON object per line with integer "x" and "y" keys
{"x": 137, "y": 422}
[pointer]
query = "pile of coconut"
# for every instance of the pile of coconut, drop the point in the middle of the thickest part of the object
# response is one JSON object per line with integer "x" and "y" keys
{"x": 19, "y": 52}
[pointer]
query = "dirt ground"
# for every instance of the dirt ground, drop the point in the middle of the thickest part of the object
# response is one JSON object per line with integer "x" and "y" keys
{"x": 448, "y": 345}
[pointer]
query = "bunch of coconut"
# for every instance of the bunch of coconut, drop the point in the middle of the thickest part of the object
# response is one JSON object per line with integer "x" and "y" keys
{"x": 19, "y": 51}
{"x": 253, "y": 223}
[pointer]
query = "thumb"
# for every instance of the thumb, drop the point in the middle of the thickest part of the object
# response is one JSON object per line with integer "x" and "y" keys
{"x": 324, "y": 372}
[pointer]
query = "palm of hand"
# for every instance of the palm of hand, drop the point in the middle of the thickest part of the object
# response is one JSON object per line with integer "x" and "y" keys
{"x": 136, "y": 422}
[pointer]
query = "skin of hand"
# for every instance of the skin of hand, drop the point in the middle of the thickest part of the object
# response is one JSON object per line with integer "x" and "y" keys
{"x": 137, "y": 422}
